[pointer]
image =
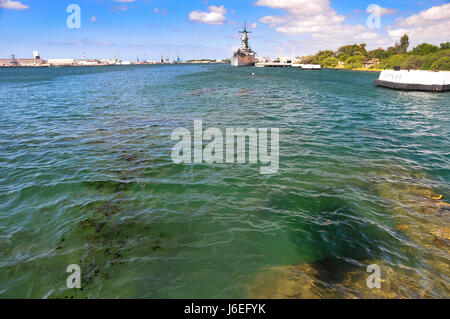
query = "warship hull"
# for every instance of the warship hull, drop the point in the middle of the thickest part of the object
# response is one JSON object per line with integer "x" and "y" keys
{"x": 241, "y": 59}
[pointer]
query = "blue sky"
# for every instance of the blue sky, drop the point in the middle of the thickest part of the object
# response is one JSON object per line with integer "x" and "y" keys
{"x": 208, "y": 29}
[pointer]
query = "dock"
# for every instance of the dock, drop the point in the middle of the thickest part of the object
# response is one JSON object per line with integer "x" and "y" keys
{"x": 275, "y": 64}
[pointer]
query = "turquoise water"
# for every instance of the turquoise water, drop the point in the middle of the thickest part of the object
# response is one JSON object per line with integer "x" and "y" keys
{"x": 86, "y": 178}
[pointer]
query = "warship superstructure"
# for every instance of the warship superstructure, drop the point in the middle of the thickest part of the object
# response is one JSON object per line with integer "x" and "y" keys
{"x": 244, "y": 56}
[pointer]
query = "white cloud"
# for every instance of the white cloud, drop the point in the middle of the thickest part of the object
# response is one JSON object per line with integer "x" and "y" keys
{"x": 319, "y": 22}
{"x": 253, "y": 25}
{"x": 124, "y": 0}
{"x": 14, "y": 5}
{"x": 215, "y": 15}
{"x": 432, "y": 26}
{"x": 273, "y": 20}
{"x": 304, "y": 16}
{"x": 387, "y": 11}
{"x": 432, "y": 15}
{"x": 296, "y": 6}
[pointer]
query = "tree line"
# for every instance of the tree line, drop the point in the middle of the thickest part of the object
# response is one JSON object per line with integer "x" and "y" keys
{"x": 425, "y": 56}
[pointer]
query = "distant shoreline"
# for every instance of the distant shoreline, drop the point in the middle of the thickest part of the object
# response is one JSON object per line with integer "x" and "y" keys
{"x": 160, "y": 64}
{"x": 99, "y": 65}
{"x": 357, "y": 69}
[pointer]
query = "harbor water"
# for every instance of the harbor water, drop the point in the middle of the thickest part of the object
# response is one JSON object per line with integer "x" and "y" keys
{"x": 86, "y": 178}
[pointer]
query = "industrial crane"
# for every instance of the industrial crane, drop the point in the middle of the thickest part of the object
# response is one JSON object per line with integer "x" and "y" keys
{"x": 117, "y": 56}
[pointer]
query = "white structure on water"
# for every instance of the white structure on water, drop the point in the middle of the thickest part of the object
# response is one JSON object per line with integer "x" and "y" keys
{"x": 416, "y": 80}
{"x": 61, "y": 62}
{"x": 307, "y": 66}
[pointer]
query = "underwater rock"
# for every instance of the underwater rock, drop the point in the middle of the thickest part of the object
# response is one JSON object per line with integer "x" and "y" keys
{"x": 417, "y": 216}
{"x": 285, "y": 282}
{"x": 242, "y": 92}
{"x": 404, "y": 193}
{"x": 444, "y": 205}
{"x": 443, "y": 233}
{"x": 303, "y": 281}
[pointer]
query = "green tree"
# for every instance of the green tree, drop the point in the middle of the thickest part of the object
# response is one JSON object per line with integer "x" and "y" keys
{"x": 354, "y": 62}
{"x": 404, "y": 44}
{"x": 413, "y": 62}
{"x": 445, "y": 46}
{"x": 330, "y": 62}
{"x": 352, "y": 50}
{"x": 343, "y": 57}
{"x": 322, "y": 55}
{"x": 307, "y": 59}
{"x": 362, "y": 49}
{"x": 443, "y": 64}
{"x": 393, "y": 61}
{"x": 381, "y": 54}
{"x": 345, "y": 50}
{"x": 391, "y": 50}
{"x": 423, "y": 57}
{"x": 424, "y": 49}
{"x": 431, "y": 58}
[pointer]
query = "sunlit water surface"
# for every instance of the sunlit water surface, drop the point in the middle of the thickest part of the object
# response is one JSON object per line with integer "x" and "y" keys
{"x": 86, "y": 178}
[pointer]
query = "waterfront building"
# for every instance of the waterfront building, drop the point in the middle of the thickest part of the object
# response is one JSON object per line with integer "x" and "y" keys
{"x": 61, "y": 62}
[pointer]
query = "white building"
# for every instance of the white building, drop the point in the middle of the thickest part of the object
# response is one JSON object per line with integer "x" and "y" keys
{"x": 61, "y": 62}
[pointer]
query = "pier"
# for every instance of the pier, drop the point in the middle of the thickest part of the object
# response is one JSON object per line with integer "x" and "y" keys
{"x": 275, "y": 64}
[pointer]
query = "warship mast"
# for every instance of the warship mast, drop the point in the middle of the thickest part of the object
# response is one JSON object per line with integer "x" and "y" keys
{"x": 244, "y": 37}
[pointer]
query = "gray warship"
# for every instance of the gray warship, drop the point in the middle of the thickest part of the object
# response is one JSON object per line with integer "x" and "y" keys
{"x": 244, "y": 56}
